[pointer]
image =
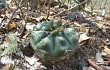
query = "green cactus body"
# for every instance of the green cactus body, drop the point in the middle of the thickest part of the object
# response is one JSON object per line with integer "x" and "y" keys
{"x": 53, "y": 39}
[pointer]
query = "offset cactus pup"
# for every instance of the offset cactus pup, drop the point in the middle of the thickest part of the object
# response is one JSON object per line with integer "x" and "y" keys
{"x": 54, "y": 39}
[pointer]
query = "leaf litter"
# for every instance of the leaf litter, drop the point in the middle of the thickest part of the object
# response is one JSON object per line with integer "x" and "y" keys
{"x": 19, "y": 20}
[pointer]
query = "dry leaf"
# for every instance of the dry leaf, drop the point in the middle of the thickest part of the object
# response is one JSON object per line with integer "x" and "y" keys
{"x": 106, "y": 50}
{"x": 12, "y": 26}
{"x": 83, "y": 38}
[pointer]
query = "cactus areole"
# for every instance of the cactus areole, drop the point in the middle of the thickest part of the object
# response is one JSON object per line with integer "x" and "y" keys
{"x": 54, "y": 38}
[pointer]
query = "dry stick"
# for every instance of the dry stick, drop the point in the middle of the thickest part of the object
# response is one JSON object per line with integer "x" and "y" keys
{"x": 69, "y": 9}
{"x": 20, "y": 7}
{"x": 48, "y": 13}
{"x": 21, "y": 10}
{"x": 94, "y": 65}
{"x": 22, "y": 32}
{"x": 98, "y": 67}
{"x": 12, "y": 17}
{"x": 14, "y": 13}
{"x": 107, "y": 44}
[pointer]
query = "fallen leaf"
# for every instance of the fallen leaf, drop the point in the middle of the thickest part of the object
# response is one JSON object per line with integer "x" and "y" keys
{"x": 12, "y": 26}
{"x": 83, "y": 39}
{"x": 106, "y": 50}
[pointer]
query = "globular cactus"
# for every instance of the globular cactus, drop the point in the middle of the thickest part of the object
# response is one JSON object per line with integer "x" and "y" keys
{"x": 54, "y": 38}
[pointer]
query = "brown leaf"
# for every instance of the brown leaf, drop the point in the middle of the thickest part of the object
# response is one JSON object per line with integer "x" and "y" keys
{"x": 83, "y": 39}
{"x": 107, "y": 50}
{"x": 12, "y": 26}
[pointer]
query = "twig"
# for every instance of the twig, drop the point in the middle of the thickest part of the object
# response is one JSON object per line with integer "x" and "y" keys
{"x": 23, "y": 30}
{"x": 20, "y": 9}
{"x": 69, "y": 9}
{"x": 107, "y": 44}
{"x": 14, "y": 13}
{"x": 12, "y": 16}
{"x": 48, "y": 12}
{"x": 94, "y": 65}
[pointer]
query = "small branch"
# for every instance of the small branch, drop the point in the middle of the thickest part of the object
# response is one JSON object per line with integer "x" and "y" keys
{"x": 107, "y": 44}
{"x": 69, "y": 9}
{"x": 23, "y": 17}
{"x": 48, "y": 12}
{"x": 14, "y": 13}
{"x": 97, "y": 67}
{"x": 12, "y": 16}
{"x": 94, "y": 65}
